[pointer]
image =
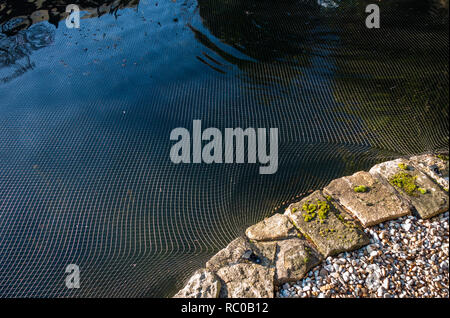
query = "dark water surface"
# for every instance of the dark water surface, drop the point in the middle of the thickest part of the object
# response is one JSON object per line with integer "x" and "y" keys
{"x": 86, "y": 115}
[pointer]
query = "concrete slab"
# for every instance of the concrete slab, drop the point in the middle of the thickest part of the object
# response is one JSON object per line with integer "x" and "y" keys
{"x": 331, "y": 231}
{"x": 246, "y": 281}
{"x": 436, "y": 167}
{"x": 424, "y": 194}
{"x": 295, "y": 257}
{"x": 241, "y": 250}
{"x": 275, "y": 227}
{"x": 368, "y": 199}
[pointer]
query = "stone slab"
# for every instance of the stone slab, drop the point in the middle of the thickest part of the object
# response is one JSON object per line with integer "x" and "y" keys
{"x": 335, "y": 233}
{"x": 203, "y": 284}
{"x": 275, "y": 227}
{"x": 246, "y": 281}
{"x": 378, "y": 203}
{"x": 436, "y": 168}
{"x": 295, "y": 257}
{"x": 241, "y": 250}
{"x": 428, "y": 204}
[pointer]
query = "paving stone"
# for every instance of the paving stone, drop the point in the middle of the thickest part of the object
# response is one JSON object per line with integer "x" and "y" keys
{"x": 435, "y": 167}
{"x": 368, "y": 199}
{"x": 276, "y": 227}
{"x": 203, "y": 284}
{"x": 425, "y": 195}
{"x": 241, "y": 250}
{"x": 295, "y": 257}
{"x": 246, "y": 281}
{"x": 333, "y": 232}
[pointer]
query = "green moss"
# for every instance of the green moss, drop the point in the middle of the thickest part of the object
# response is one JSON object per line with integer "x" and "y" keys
{"x": 360, "y": 188}
{"x": 328, "y": 198}
{"x": 443, "y": 157}
{"x": 403, "y": 166}
{"x": 405, "y": 182}
{"x": 307, "y": 256}
{"x": 422, "y": 190}
{"x": 306, "y": 260}
{"x": 307, "y": 250}
{"x": 326, "y": 231}
{"x": 311, "y": 210}
{"x": 294, "y": 210}
{"x": 324, "y": 208}
{"x": 348, "y": 224}
{"x": 307, "y": 236}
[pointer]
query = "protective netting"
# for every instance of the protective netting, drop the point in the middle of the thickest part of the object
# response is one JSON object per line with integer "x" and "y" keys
{"x": 86, "y": 115}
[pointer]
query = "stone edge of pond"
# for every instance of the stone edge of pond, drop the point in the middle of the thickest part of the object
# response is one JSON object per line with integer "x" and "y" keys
{"x": 284, "y": 247}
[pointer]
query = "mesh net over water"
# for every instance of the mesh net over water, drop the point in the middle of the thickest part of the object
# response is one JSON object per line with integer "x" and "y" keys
{"x": 86, "y": 115}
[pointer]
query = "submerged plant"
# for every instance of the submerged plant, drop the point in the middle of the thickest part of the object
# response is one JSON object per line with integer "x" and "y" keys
{"x": 403, "y": 166}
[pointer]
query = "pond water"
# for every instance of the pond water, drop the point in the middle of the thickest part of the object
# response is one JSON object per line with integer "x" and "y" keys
{"x": 86, "y": 115}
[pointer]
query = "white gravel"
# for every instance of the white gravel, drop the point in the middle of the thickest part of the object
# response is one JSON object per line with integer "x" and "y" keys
{"x": 407, "y": 257}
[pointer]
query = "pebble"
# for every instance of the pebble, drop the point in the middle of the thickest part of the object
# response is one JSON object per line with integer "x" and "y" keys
{"x": 408, "y": 257}
{"x": 406, "y": 226}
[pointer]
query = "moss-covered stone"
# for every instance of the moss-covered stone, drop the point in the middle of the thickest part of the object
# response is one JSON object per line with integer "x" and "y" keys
{"x": 436, "y": 167}
{"x": 407, "y": 183}
{"x": 333, "y": 233}
{"x": 379, "y": 204}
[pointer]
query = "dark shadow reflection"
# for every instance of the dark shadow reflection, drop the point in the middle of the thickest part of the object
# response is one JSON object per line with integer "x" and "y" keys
{"x": 263, "y": 30}
{"x": 269, "y": 31}
{"x": 382, "y": 87}
{"x": 21, "y": 33}
{"x": 16, "y": 15}
{"x": 15, "y": 50}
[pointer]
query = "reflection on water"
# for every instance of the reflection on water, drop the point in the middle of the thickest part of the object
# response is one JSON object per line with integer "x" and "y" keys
{"x": 20, "y": 14}
{"x": 20, "y": 36}
{"x": 85, "y": 119}
{"x": 15, "y": 50}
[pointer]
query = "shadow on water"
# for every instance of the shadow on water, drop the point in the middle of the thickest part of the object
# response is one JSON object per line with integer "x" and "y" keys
{"x": 387, "y": 85}
{"x": 85, "y": 119}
